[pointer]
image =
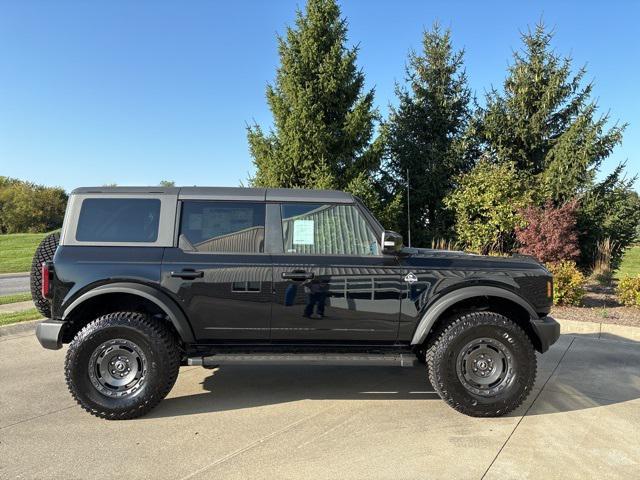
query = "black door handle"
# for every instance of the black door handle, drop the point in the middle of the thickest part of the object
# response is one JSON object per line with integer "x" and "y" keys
{"x": 297, "y": 275}
{"x": 188, "y": 274}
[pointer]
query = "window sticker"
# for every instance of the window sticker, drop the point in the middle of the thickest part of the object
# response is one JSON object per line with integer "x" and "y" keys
{"x": 303, "y": 232}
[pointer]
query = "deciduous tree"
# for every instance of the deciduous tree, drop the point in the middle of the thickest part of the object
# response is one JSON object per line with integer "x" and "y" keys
{"x": 487, "y": 204}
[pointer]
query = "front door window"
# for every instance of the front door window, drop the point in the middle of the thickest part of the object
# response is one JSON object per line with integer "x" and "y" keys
{"x": 317, "y": 229}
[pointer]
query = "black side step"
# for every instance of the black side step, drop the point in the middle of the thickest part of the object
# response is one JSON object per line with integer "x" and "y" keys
{"x": 346, "y": 359}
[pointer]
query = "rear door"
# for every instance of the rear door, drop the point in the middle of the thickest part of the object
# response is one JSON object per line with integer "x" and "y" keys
{"x": 331, "y": 283}
{"x": 220, "y": 272}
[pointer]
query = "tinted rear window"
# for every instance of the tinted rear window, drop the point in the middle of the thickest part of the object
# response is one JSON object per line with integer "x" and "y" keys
{"x": 118, "y": 220}
{"x": 230, "y": 227}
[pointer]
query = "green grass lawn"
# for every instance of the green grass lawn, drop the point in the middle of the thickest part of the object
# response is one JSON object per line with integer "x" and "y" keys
{"x": 630, "y": 263}
{"x": 18, "y": 297}
{"x": 15, "y": 317}
{"x": 16, "y": 251}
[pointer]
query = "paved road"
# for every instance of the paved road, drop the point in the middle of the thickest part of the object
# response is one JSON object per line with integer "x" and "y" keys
{"x": 14, "y": 283}
{"x": 327, "y": 422}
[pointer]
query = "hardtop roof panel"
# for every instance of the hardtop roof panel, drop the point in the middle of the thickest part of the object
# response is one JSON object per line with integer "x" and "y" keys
{"x": 223, "y": 193}
{"x": 230, "y": 193}
{"x": 310, "y": 196}
{"x": 126, "y": 190}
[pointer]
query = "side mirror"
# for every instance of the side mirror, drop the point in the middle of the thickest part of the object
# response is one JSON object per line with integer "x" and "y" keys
{"x": 391, "y": 242}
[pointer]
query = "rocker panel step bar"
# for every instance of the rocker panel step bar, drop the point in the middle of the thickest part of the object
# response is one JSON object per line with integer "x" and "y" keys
{"x": 346, "y": 359}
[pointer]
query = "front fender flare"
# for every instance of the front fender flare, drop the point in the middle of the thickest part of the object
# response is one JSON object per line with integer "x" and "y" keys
{"x": 441, "y": 305}
{"x": 163, "y": 301}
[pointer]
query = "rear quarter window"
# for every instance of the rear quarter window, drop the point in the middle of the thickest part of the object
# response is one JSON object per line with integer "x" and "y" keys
{"x": 118, "y": 220}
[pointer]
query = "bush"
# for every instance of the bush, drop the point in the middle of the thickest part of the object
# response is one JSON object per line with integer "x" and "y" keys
{"x": 549, "y": 233}
{"x": 629, "y": 291}
{"x": 29, "y": 208}
{"x": 568, "y": 283}
{"x": 486, "y": 203}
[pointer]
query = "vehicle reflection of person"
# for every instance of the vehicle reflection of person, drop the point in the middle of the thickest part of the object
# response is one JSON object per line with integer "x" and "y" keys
{"x": 316, "y": 291}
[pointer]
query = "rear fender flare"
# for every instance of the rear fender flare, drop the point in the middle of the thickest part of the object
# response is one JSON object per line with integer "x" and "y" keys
{"x": 442, "y": 304}
{"x": 163, "y": 301}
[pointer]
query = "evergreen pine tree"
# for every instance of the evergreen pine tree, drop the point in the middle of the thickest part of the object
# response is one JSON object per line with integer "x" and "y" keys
{"x": 545, "y": 121}
{"x": 425, "y": 134}
{"x": 323, "y": 118}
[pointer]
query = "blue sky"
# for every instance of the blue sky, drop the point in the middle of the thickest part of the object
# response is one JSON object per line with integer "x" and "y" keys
{"x": 136, "y": 92}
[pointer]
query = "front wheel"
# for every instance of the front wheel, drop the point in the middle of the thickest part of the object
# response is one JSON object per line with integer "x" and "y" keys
{"x": 122, "y": 365}
{"x": 482, "y": 364}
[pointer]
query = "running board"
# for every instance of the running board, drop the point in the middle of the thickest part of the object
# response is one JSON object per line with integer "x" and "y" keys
{"x": 336, "y": 359}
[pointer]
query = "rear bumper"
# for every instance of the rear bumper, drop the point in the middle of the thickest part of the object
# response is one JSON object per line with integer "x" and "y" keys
{"x": 547, "y": 330}
{"x": 49, "y": 333}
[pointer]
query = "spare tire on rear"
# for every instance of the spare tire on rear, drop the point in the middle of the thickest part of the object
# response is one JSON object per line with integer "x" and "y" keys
{"x": 44, "y": 253}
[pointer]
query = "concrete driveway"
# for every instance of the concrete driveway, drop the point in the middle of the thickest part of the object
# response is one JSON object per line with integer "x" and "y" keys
{"x": 582, "y": 421}
{"x": 11, "y": 283}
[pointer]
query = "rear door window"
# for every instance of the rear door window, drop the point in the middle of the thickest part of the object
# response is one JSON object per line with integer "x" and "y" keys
{"x": 123, "y": 220}
{"x": 223, "y": 227}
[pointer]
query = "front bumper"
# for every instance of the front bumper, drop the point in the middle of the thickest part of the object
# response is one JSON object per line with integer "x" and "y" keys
{"x": 49, "y": 333}
{"x": 547, "y": 330}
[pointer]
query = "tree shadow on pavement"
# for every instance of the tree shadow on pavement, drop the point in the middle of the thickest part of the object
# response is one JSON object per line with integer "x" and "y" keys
{"x": 585, "y": 373}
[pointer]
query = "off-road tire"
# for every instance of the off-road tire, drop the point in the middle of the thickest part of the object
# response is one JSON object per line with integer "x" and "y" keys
{"x": 443, "y": 360}
{"x": 44, "y": 253}
{"x": 156, "y": 342}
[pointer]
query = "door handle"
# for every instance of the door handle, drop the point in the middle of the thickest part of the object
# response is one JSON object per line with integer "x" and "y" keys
{"x": 297, "y": 275}
{"x": 188, "y": 274}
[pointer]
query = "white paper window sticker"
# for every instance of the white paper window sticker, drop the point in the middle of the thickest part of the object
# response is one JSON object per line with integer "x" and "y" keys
{"x": 303, "y": 232}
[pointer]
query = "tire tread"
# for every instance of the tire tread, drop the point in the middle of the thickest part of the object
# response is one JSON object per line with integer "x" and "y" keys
{"x": 44, "y": 253}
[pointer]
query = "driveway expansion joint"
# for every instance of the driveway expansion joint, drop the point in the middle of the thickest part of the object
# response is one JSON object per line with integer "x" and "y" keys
{"x": 528, "y": 409}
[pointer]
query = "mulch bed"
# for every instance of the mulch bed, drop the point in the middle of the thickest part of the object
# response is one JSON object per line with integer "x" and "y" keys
{"x": 600, "y": 305}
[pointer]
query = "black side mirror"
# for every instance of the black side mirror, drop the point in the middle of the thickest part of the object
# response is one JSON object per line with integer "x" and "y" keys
{"x": 391, "y": 242}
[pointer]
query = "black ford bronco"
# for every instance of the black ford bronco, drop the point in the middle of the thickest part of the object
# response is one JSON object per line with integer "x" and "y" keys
{"x": 143, "y": 280}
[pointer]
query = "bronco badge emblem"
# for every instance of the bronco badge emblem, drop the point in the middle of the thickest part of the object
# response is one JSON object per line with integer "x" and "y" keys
{"x": 410, "y": 277}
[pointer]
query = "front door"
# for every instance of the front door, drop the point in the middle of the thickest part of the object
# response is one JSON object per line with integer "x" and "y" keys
{"x": 219, "y": 271}
{"x": 331, "y": 283}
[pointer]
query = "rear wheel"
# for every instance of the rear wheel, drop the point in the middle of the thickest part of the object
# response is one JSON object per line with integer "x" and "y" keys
{"x": 122, "y": 365}
{"x": 44, "y": 253}
{"x": 482, "y": 364}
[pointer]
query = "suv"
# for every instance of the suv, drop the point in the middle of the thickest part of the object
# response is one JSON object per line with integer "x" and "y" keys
{"x": 143, "y": 280}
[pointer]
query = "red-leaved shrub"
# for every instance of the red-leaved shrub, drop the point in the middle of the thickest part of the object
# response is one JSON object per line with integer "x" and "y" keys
{"x": 550, "y": 232}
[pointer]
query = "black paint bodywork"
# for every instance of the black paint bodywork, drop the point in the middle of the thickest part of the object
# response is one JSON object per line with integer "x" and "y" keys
{"x": 273, "y": 298}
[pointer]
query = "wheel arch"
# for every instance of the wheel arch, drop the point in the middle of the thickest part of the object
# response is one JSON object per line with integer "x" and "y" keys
{"x": 473, "y": 298}
{"x": 123, "y": 295}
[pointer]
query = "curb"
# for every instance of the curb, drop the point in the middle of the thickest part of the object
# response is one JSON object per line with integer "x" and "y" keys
{"x": 599, "y": 330}
{"x": 20, "y": 327}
